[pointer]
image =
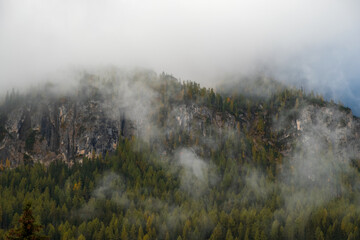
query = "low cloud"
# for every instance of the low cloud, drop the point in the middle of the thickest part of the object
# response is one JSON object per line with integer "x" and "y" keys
{"x": 314, "y": 44}
{"x": 196, "y": 175}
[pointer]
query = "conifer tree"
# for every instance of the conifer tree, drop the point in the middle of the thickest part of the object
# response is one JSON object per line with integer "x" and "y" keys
{"x": 28, "y": 229}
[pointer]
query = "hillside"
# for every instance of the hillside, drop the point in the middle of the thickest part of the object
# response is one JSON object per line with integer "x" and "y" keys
{"x": 145, "y": 156}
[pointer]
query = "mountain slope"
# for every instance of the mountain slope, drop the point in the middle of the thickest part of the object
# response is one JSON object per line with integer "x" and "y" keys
{"x": 142, "y": 156}
{"x": 42, "y": 126}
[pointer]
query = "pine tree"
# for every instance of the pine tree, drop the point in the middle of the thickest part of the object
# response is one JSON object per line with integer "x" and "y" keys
{"x": 140, "y": 233}
{"x": 229, "y": 235}
{"x": 217, "y": 232}
{"x": 81, "y": 237}
{"x": 124, "y": 233}
{"x": 28, "y": 229}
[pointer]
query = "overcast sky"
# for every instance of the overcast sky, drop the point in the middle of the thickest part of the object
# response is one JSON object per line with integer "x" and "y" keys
{"x": 316, "y": 42}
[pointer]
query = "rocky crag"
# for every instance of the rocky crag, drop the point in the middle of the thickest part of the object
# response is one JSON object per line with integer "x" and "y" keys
{"x": 90, "y": 120}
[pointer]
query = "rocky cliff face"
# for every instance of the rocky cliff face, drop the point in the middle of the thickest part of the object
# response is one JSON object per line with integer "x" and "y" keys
{"x": 44, "y": 127}
{"x": 323, "y": 128}
{"x": 92, "y": 118}
{"x": 67, "y": 129}
{"x": 59, "y": 129}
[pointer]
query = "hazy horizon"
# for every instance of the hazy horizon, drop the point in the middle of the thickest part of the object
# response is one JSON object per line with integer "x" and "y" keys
{"x": 307, "y": 43}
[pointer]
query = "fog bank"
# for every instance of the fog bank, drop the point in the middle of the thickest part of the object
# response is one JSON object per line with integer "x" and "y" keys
{"x": 313, "y": 44}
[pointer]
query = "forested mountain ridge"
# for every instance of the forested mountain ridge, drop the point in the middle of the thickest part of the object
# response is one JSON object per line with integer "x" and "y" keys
{"x": 42, "y": 126}
{"x": 145, "y": 156}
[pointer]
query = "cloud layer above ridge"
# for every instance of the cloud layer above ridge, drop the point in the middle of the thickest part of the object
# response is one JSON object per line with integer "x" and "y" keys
{"x": 314, "y": 42}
